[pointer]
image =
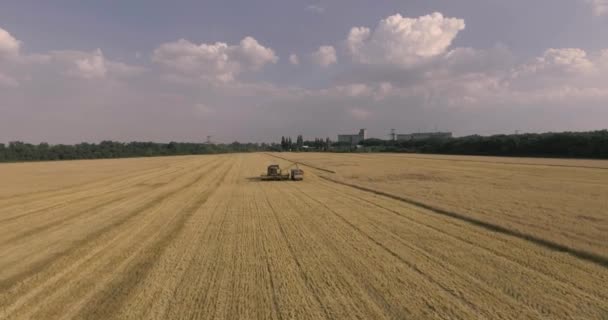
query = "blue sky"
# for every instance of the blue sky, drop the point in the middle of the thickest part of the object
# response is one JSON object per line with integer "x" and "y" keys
{"x": 126, "y": 26}
{"x": 75, "y": 71}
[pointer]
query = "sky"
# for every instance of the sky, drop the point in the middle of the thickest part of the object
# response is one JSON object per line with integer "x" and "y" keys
{"x": 253, "y": 71}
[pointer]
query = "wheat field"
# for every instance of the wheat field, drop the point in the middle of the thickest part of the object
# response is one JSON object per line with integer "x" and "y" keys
{"x": 362, "y": 237}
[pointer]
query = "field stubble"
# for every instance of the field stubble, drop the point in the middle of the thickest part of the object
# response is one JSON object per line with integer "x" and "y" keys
{"x": 201, "y": 238}
{"x": 563, "y": 201}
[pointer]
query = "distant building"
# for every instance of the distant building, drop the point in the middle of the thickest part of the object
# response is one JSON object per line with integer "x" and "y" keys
{"x": 353, "y": 139}
{"x": 423, "y": 136}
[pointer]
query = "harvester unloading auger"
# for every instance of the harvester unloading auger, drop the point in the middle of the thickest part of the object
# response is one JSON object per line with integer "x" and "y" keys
{"x": 275, "y": 173}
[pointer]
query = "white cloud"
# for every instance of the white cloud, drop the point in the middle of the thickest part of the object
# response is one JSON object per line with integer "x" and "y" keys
{"x": 356, "y": 40}
{"x": 218, "y": 61}
{"x": 384, "y": 89}
{"x": 458, "y": 87}
{"x": 354, "y": 90}
{"x": 403, "y": 41}
{"x": 357, "y": 91}
{"x": 202, "y": 109}
{"x": 293, "y": 59}
{"x": 210, "y": 60}
{"x": 20, "y": 68}
{"x": 325, "y": 56}
{"x": 9, "y": 46}
{"x": 34, "y": 59}
{"x": 602, "y": 60}
{"x": 557, "y": 68}
{"x": 467, "y": 77}
{"x": 560, "y": 76}
{"x": 93, "y": 66}
{"x": 497, "y": 58}
{"x": 120, "y": 69}
{"x": 8, "y": 82}
{"x": 564, "y": 76}
{"x": 359, "y": 114}
{"x": 599, "y": 7}
{"x": 10, "y": 51}
{"x": 253, "y": 55}
{"x": 560, "y": 61}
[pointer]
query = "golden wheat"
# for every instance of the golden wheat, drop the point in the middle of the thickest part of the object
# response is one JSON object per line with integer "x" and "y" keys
{"x": 202, "y": 238}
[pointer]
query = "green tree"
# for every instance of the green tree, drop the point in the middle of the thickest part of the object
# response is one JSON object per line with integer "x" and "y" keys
{"x": 299, "y": 142}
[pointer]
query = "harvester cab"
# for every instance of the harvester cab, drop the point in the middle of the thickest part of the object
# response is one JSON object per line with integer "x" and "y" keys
{"x": 274, "y": 170}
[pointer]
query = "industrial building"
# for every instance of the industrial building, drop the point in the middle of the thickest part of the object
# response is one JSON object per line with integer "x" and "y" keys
{"x": 423, "y": 136}
{"x": 353, "y": 139}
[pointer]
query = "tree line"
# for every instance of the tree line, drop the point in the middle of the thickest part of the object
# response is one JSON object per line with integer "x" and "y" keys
{"x": 318, "y": 144}
{"x": 592, "y": 144}
{"x": 20, "y": 151}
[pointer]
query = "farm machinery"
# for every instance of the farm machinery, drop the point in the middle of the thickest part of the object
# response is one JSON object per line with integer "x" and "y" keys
{"x": 275, "y": 173}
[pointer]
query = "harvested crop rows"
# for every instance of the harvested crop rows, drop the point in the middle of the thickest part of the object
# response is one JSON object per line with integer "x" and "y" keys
{"x": 203, "y": 238}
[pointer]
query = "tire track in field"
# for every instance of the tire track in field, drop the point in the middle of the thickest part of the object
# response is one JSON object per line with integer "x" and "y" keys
{"x": 41, "y": 228}
{"x": 70, "y": 201}
{"x": 188, "y": 275}
{"x": 68, "y": 189}
{"x": 204, "y": 268}
{"x": 67, "y": 203}
{"x": 593, "y": 299}
{"x": 349, "y": 262}
{"x": 37, "y": 266}
{"x": 342, "y": 284}
{"x": 87, "y": 185}
{"x": 246, "y": 246}
{"x": 593, "y": 294}
{"x": 302, "y": 163}
{"x": 108, "y": 302}
{"x": 583, "y": 235}
{"x": 92, "y": 237}
{"x": 465, "y": 280}
{"x": 498, "y": 162}
{"x": 548, "y": 244}
{"x": 286, "y": 280}
{"x": 214, "y": 270}
{"x": 84, "y": 244}
{"x": 412, "y": 266}
{"x": 122, "y": 196}
{"x": 204, "y": 283}
{"x": 211, "y": 271}
{"x": 480, "y": 245}
{"x": 216, "y": 298}
{"x": 372, "y": 289}
{"x": 273, "y": 287}
{"x": 91, "y": 185}
{"x": 454, "y": 222}
{"x": 375, "y": 294}
{"x": 303, "y": 274}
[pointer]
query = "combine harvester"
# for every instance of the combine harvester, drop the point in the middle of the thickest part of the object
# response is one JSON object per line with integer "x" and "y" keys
{"x": 275, "y": 173}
